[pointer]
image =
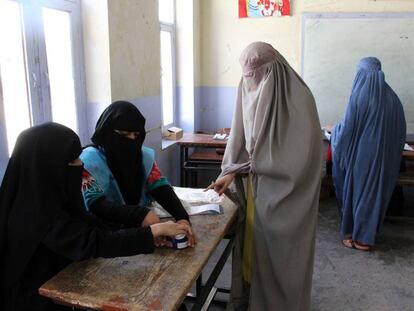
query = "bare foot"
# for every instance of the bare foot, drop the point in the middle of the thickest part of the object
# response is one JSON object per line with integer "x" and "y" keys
{"x": 348, "y": 242}
{"x": 362, "y": 246}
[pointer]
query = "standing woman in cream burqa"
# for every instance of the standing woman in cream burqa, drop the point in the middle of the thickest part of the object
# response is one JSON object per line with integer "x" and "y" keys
{"x": 275, "y": 139}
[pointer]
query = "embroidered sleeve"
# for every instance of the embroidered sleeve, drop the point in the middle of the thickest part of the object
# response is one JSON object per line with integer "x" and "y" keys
{"x": 155, "y": 174}
{"x": 155, "y": 178}
{"x": 91, "y": 190}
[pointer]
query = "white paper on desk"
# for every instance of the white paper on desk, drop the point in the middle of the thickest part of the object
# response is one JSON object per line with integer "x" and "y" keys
{"x": 219, "y": 136}
{"x": 198, "y": 196}
{"x": 196, "y": 201}
{"x": 326, "y": 133}
{"x": 205, "y": 209}
{"x": 407, "y": 147}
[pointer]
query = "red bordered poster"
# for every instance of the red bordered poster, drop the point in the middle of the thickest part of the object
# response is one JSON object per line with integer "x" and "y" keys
{"x": 261, "y": 8}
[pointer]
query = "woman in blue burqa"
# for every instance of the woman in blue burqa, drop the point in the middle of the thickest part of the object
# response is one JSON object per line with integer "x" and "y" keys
{"x": 366, "y": 153}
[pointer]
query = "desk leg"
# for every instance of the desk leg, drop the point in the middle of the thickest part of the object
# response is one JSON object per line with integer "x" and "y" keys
{"x": 199, "y": 284}
{"x": 207, "y": 288}
{"x": 209, "y": 299}
{"x": 194, "y": 178}
{"x": 185, "y": 171}
{"x": 182, "y": 162}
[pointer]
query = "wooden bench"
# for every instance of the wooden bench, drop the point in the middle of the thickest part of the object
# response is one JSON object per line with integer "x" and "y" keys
{"x": 406, "y": 179}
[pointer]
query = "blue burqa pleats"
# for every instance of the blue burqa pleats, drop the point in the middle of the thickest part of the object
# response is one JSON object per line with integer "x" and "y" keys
{"x": 366, "y": 152}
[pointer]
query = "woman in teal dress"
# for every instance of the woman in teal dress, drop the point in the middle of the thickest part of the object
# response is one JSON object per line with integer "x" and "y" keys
{"x": 121, "y": 176}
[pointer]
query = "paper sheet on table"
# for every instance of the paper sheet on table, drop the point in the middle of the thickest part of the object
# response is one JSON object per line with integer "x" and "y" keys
{"x": 205, "y": 209}
{"x": 199, "y": 196}
{"x": 195, "y": 202}
{"x": 326, "y": 133}
{"x": 407, "y": 147}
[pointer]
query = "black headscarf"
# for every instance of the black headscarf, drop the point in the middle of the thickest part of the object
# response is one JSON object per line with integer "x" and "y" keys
{"x": 37, "y": 186}
{"x": 123, "y": 155}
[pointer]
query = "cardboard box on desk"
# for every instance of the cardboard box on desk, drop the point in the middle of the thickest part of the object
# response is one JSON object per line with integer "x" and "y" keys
{"x": 174, "y": 133}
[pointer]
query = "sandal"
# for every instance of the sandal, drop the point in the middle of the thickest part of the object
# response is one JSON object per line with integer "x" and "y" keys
{"x": 348, "y": 242}
{"x": 362, "y": 246}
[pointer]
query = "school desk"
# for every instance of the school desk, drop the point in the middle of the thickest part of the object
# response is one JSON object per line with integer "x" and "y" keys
{"x": 200, "y": 160}
{"x": 405, "y": 178}
{"x": 408, "y": 154}
{"x": 158, "y": 281}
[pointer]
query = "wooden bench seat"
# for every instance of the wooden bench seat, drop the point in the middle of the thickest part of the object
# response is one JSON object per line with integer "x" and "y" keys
{"x": 206, "y": 156}
{"x": 406, "y": 179}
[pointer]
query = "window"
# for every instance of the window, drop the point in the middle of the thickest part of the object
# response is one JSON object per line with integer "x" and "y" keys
{"x": 41, "y": 67}
{"x": 13, "y": 72}
{"x": 167, "y": 38}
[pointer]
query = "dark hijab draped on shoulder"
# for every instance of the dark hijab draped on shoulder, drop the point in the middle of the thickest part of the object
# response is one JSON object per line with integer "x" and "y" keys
{"x": 123, "y": 155}
{"x": 37, "y": 186}
{"x": 43, "y": 222}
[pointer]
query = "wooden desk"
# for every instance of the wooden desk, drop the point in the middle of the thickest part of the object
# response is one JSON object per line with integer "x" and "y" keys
{"x": 201, "y": 140}
{"x": 408, "y": 155}
{"x": 158, "y": 281}
{"x": 405, "y": 178}
{"x": 199, "y": 160}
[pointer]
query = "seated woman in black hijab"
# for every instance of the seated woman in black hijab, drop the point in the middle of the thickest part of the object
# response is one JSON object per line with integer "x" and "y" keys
{"x": 43, "y": 223}
{"x": 121, "y": 176}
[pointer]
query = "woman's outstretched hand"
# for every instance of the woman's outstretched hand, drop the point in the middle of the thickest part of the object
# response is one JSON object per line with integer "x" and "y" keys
{"x": 221, "y": 184}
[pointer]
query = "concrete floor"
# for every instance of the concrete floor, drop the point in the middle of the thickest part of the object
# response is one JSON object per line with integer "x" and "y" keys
{"x": 348, "y": 279}
{"x": 351, "y": 280}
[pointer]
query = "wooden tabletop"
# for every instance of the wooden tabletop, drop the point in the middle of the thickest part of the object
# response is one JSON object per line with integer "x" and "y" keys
{"x": 408, "y": 155}
{"x": 158, "y": 281}
{"x": 201, "y": 140}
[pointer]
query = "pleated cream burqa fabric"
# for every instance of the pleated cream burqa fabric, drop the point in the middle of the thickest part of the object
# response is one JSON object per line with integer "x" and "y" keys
{"x": 276, "y": 138}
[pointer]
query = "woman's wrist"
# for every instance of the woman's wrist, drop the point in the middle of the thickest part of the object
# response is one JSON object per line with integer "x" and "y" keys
{"x": 156, "y": 230}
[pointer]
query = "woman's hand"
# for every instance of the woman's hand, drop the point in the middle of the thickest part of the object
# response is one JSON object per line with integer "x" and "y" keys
{"x": 170, "y": 229}
{"x": 221, "y": 184}
{"x": 150, "y": 219}
{"x": 192, "y": 240}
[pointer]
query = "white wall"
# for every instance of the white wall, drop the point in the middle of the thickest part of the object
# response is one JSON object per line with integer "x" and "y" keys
{"x": 122, "y": 44}
{"x": 97, "y": 61}
{"x": 223, "y": 35}
{"x": 134, "y": 42}
{"x": 4, "y": 157}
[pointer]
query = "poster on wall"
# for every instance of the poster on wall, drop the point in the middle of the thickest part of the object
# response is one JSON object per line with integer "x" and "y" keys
{"x": 262, "y": 8}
